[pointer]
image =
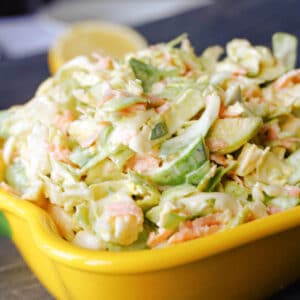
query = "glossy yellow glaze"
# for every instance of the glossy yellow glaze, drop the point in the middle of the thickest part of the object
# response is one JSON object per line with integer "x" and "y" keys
{"x": 247, "y": 262}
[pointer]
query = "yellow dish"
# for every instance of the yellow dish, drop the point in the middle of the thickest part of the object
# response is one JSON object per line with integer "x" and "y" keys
{"x": 248, "y": 262}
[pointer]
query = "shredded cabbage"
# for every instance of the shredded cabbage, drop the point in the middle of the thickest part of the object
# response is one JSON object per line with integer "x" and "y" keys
{"x": 162, "y": 146}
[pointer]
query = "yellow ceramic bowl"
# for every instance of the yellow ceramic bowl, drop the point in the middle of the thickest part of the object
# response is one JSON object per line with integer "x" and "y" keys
{"x": 248, "y": 262}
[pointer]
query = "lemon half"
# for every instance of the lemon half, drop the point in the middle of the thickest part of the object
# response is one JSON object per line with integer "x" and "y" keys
{"x": 86, "y": 38}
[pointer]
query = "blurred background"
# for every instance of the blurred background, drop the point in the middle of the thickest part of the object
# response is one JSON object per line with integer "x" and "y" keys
{"x": 28, "y": 27}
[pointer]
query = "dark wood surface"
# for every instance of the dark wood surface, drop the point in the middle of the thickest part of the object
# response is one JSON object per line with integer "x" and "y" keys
{"x": 253, "y": 19}
{"x": 16, "y": 281}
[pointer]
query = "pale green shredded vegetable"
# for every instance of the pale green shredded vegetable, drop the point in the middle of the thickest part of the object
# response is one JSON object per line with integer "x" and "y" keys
{"x": 161, "y": 147}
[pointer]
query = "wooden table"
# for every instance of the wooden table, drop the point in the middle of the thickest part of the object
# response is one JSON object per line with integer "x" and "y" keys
{"x": 254, "y": 19}
{"x": 16, "y": 280}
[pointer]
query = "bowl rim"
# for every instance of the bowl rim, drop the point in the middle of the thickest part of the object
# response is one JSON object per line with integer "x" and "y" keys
{"x": 47, "y": 239}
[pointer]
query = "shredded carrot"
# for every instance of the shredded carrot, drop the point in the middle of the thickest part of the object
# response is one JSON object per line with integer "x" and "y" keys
{"x": 161, "y": 236}
{"x": 155, "y": 101}
{"x": 187, "y": 69}
{"x": 250, "y": 217}
{"x": 236, "y": 178}
{"x": 226, "y": 114}
{"x": 220, "y": 159}
{"x": 60, "y": 153}
{"x": 215, "y": 144}
{"x": 138, "y": 107}
{"x": 271, "y": 210}
{"x": 253, "y": 92}
{"x": 103, "y": 62}
{"x": 161, "y": 109}
{"x": 119, "y": 209}
{"x": 199, "y": 227}
{"x": 222, "y": 109}
{"x": 239, "y": 72}
{"x": 293, "y": 191}
{"x": 142, "y": 163}
{"x": 62, "y": 121}
{"x": 271, "y": 131}
{"x": 108, "y": 95}
{"x": 291, "y": 77}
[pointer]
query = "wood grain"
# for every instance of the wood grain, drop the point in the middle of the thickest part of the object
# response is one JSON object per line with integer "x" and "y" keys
{"x": 16, "y": 281}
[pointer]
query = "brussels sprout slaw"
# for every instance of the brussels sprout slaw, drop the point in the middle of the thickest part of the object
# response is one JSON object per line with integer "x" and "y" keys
{"x": 161, "y": 147}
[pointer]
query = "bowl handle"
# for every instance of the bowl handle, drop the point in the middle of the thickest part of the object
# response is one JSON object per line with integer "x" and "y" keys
{"x": 9, "y": 204}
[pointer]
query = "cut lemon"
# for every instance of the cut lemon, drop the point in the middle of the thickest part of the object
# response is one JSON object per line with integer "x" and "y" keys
{"x": 86, "y": 38}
